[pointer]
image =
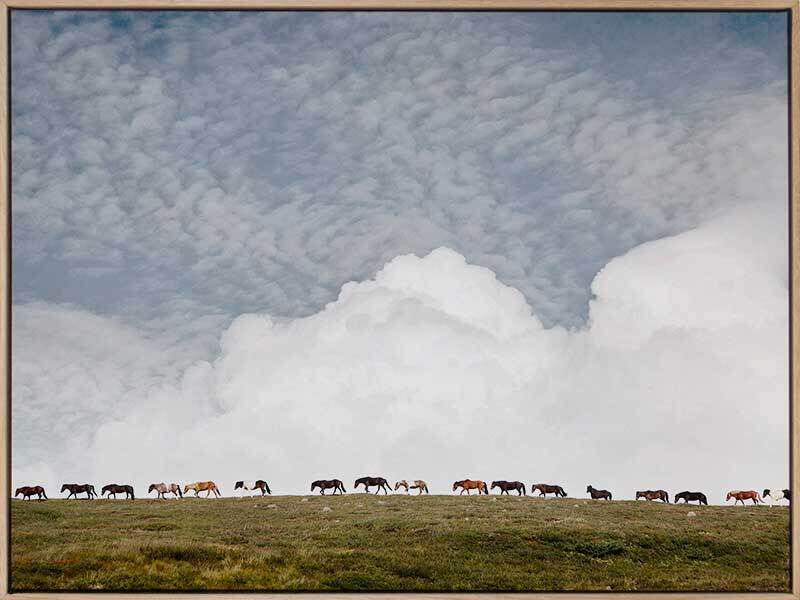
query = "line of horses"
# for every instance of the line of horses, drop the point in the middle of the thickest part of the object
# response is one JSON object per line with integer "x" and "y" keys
{"x": 382, "y": 484}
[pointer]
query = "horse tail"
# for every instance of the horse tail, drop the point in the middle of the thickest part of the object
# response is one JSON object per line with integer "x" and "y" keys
{"x": 610, "y": 496}
{"x": 45, "y": 495}
{"x": 180, "y": 493}
{"x": 266, "y": 485}
{"x": 132, "y": 496}
{"x": 426, "y": 489}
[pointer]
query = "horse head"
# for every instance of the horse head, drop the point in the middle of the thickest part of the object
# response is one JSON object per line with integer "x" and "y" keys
{"x": 766, "y": 492}
{"x": 239, "y": 484}
{"x": 589, "y": 489}
{"x": 455, "y": 485}
{"x": 65, "y": 487}
{"x": 18, "y": 492}
{"x": 151, "y": 488}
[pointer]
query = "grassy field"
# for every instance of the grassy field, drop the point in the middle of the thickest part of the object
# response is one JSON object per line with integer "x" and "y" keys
{"x": 432, "y": 543}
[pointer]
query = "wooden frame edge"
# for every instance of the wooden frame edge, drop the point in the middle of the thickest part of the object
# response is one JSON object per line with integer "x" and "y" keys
{"x": 429, "y": 5}
{"x": 5, "y": 300}
{"x": 793, "y": 6}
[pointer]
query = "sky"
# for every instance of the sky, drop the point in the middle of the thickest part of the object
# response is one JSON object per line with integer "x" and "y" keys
{"x": 539, "y": 246}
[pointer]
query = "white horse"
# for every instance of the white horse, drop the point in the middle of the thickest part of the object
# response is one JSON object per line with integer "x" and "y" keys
{"x": 777, "y": 494}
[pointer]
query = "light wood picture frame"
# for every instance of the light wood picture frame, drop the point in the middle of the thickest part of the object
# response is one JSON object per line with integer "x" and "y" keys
{"x": 793, "y": 9}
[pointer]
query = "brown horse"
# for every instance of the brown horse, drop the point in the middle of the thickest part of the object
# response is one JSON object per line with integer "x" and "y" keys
{"x": 468, "y": 484}
{"x": 369, "y": 482}
{"x": 202, "y": 486}
{"x": 741, "y": 496}
{"x": 598, "y": 494}
{"x": 113, "y": 489}
{"x": 163, "y": 489}
{"x": 505, "y": 486}
{"x": 545, "y": 489}
{"x": 653, "y": 495}
{"x": 28, "y": 491}
{"x": 326, "y": 484}
{"x": 75, "y": 489}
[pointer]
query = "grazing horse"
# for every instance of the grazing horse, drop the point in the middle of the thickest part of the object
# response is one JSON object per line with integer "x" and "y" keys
{"x": 251, "y": 486}
{"x": 202, "y": 486}
{"x": 28, "y": 491}
{"x": 113, "y": 489}
{"x": 505, "y": 486}
{"x": 326, "y": 484}
{"x": 163, "y": 489}
{"x": 545, "y": 489}
{"x": 418, "y": 485}
{"x": 653, "y": 495}
{"x": 742, "y": 495}
{"x": 368, "y": 482}
{"x": 75, "y": 489}
{"x": 598, "y": 494}
{"x": 779, "y": 495}
{"x": 691, "y": 497}
{"x": 468, "y": 484}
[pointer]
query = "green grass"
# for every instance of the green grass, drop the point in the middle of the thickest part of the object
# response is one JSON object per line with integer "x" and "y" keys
{"x": 427, "y": 543}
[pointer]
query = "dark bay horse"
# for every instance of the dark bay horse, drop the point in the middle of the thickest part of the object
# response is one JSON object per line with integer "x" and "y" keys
{"x": 545, "y": 489}
{"x": 75, "y": 489}
{"x": 28, "y": 491}
{"x": 468, "y": 484}
{"x": 687, "y": 497}
{"x": 258, "y": 484}
{"x": 326, "y": 484}
{"x": 741, "y": 496}
{"x": 598, "y": 494}
{"x": 653, "y": 495}
{"x": 505, "y": 486}
{"x": 368, "y": 482}
{"x": 113, "y": 489}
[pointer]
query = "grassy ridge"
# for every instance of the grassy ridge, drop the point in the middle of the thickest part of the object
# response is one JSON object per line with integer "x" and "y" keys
{"x": 427, "y": 543}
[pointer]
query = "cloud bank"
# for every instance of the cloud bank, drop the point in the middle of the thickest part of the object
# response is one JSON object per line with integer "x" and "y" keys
{"x": 434, "y": 369}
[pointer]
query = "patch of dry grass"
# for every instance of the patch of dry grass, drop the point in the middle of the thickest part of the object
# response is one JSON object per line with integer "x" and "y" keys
{"x": 427, "y": 543}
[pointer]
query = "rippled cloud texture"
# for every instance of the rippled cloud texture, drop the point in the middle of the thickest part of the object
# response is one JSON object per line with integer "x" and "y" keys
{"x": 298, "y": 246}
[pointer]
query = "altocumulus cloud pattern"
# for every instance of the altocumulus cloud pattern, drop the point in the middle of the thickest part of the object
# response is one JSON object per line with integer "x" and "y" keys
{"x": 562, "y": 258}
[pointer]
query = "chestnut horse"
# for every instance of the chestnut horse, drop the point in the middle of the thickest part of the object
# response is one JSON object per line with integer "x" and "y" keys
{"x": 28, "y": 491}
{"x": 326, "y": 484}
{"x": 75, "y": 489}
{"x": 202, "y": 486}
{"x": 598, "y": 494}
{"x": 653, "y": 495}
{"x": 545, "y": 489}
{"x": 113, "y": 489}
{"x": 741, "y": 496}
{"x": 505, "y": 486}
{"x": 468, "y": 484}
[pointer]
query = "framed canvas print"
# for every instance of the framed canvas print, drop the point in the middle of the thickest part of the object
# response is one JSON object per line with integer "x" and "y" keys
{"x": 422, "y": 298}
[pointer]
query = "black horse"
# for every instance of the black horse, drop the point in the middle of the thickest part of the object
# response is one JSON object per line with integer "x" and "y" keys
{"x": 113, "y": 489}
{"x": 75, "y": 489}
{"x": 598, "y": 494}
{"x": 369, "y": 482}
{"x": 326, "y": 484}
{"x": 545, "y": 489}
{"x": 691, "y": 496}
{"x": 505, "y": 486}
